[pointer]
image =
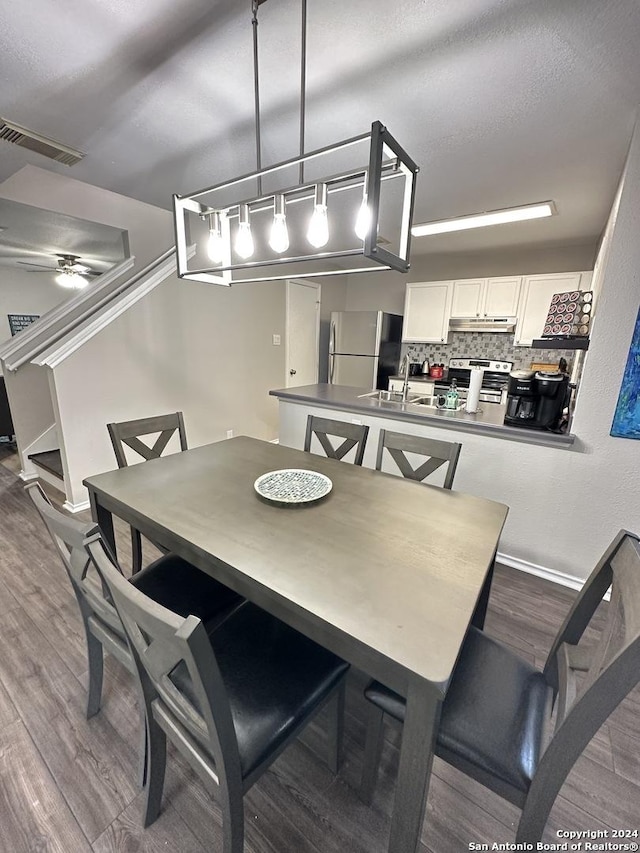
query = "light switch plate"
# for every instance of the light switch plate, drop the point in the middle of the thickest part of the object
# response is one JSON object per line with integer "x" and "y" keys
{"x": 276, "y": 340}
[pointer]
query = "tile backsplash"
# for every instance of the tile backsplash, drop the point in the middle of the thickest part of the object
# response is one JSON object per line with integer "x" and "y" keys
{"x": 496, "y": 346}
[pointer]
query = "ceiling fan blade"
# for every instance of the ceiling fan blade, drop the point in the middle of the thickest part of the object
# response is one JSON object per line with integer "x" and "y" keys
{"x": 42, "y": 266}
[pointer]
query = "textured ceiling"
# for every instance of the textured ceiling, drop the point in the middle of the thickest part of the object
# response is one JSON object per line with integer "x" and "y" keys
{"x": 500, "y": 102}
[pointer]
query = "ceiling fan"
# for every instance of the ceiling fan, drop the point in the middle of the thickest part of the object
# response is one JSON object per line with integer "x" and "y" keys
{"x": 71, "y": 274}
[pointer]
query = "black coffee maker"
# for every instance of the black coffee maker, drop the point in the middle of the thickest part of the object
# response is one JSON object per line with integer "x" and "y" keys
{"x": 536, "y": 400}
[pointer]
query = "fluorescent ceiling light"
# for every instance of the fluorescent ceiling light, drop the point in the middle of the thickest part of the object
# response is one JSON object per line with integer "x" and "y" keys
{"x": 479, "y": 220}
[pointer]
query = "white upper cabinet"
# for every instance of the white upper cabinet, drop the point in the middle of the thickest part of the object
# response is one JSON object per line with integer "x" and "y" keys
{"x": 486, "y": 297}
{"x": 535, "y": 299}
{"x": 427, "y": 309}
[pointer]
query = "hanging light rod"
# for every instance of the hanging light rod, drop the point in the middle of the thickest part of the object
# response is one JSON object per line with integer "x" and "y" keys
{"x": 481, "y": 220}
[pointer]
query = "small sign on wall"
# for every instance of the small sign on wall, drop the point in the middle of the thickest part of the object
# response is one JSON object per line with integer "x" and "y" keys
{"x": 18, "y": 322}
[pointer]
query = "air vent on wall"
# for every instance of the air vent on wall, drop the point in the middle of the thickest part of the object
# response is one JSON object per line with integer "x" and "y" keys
{"x": 18, "y": 135}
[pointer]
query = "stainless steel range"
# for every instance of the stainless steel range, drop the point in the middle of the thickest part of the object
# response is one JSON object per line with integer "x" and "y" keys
{"x": 494, "y": 379}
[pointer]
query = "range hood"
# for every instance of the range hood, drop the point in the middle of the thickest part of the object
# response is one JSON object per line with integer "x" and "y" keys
{"x": 482, "y": 324}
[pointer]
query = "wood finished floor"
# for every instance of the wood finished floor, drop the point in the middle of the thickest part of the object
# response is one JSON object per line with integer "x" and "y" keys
{"x": 68, "y": 785}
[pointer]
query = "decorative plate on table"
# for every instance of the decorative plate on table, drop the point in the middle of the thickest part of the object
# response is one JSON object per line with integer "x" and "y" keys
{"x": 292, "y": 486}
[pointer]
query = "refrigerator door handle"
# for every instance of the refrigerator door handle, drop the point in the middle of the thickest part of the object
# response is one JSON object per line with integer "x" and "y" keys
{"x": 332, "y": 346}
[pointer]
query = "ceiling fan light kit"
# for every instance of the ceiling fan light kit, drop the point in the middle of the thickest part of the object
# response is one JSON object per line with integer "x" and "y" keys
{"x": 70, "y": 274}
{"x": 341, "y": 209}
{"x": 71, "y": 280}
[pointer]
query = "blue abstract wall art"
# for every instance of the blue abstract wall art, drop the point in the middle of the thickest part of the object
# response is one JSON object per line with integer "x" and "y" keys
{"x": 626, "y": 420}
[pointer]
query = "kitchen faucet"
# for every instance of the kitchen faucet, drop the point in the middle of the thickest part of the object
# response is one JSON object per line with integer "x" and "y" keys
{"x": 405, "y": 384}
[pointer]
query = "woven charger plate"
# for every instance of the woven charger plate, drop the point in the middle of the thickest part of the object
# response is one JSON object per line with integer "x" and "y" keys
{"x": 292, "y": 486}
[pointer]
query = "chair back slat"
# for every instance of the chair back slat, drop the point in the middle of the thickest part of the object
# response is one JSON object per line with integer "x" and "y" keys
{"x": 354, "y": 435}
{"x": 163, "y": 644}
{"x": 68, "y": 535}
{"x": 129, "y": 432}
{"x": 618, "y": 643}
{"x": 440, "y": 453}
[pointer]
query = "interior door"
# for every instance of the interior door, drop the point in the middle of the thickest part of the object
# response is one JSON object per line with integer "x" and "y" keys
{"x": 303, "y": 327}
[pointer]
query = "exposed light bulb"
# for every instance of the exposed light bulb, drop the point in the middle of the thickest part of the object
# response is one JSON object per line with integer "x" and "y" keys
{"x": 279, "y": 238}
{"x": 244, "y": 238}
{"x": 318, "y": 231}
{"x": 215, "y": 244}
{"x": 363, "y": 220}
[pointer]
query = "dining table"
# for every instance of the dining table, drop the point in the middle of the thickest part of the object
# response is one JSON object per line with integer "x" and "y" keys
{"x": 385, "y": 572}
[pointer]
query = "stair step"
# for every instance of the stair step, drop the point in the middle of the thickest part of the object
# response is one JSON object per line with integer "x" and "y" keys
{"x": 50, "y": 460}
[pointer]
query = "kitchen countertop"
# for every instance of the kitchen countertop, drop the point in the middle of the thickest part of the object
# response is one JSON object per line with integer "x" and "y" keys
{"x": 488, "y": 421}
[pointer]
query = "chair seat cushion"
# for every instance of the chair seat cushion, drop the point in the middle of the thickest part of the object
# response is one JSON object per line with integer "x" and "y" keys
{"x": 274, "y": 677}
{"x": 183, "y": 588}
{"x": 495, "y": 711}
{"x": 494, "y": 714}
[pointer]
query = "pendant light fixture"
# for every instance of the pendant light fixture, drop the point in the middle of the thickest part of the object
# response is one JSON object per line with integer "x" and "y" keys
{"x": 350, "y": 209}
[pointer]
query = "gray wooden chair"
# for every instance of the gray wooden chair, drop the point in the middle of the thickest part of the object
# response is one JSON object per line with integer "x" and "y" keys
{"x": 229, "y": 697}
{"x": 354, "y": 435}
{"x": 497, "y": 710}
{"x": 170, "y": 581}
{"x": 440, "y": 453}
{"x": 129, "y": 433}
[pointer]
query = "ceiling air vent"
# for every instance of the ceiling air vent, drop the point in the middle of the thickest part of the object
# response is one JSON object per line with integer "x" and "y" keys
{"x": 18, "y": 135}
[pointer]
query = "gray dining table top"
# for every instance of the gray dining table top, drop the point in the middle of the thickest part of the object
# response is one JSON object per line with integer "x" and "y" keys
{"x": 384, "y": 571}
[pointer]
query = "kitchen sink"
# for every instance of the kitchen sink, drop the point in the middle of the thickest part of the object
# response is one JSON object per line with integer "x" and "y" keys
{"x": 428, "y": 402}
{"x": 393, "y": 397}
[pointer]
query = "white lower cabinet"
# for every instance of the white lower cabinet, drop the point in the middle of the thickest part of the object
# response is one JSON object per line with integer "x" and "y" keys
{"x": 535, "y": 299}
{"x": 427, "y": 309}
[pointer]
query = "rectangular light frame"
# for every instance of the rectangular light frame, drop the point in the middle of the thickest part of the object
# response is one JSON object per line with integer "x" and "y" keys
{"x": 537, "y": 210}
{"x": 368, "y": 174}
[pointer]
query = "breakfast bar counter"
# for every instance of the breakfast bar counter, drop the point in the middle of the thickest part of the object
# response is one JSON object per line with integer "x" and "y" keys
{"x": 489, "y": 421}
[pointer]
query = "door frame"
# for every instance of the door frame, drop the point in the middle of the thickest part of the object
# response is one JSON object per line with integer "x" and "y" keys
{"x": 318, "y": 288}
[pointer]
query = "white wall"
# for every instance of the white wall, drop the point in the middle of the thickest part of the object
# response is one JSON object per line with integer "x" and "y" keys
{"x": 385, "y": 290}
{"x": 202, "y": 349}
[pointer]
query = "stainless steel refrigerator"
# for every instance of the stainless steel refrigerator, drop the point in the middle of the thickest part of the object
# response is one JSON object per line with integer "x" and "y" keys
{"x": 364, "y": 348}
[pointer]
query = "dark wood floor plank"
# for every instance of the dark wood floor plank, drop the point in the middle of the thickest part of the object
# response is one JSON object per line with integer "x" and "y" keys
{"x": 603, "y": 794}
{"x": 8, "y": 711}
{"x": 33, "y": 813}
{"x": 94, "y": 769}
{"x": 169, "y": 834}
{"x": 625, "y": 748}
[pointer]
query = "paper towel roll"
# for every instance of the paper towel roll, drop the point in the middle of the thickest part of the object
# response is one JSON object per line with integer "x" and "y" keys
{"x": 473, "y": 395}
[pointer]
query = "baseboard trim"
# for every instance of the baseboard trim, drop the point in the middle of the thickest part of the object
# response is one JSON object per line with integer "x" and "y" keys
{"x": 26, "y": 477}
{"x": 79, "y": 507}
{"x": 541, "y": 571}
